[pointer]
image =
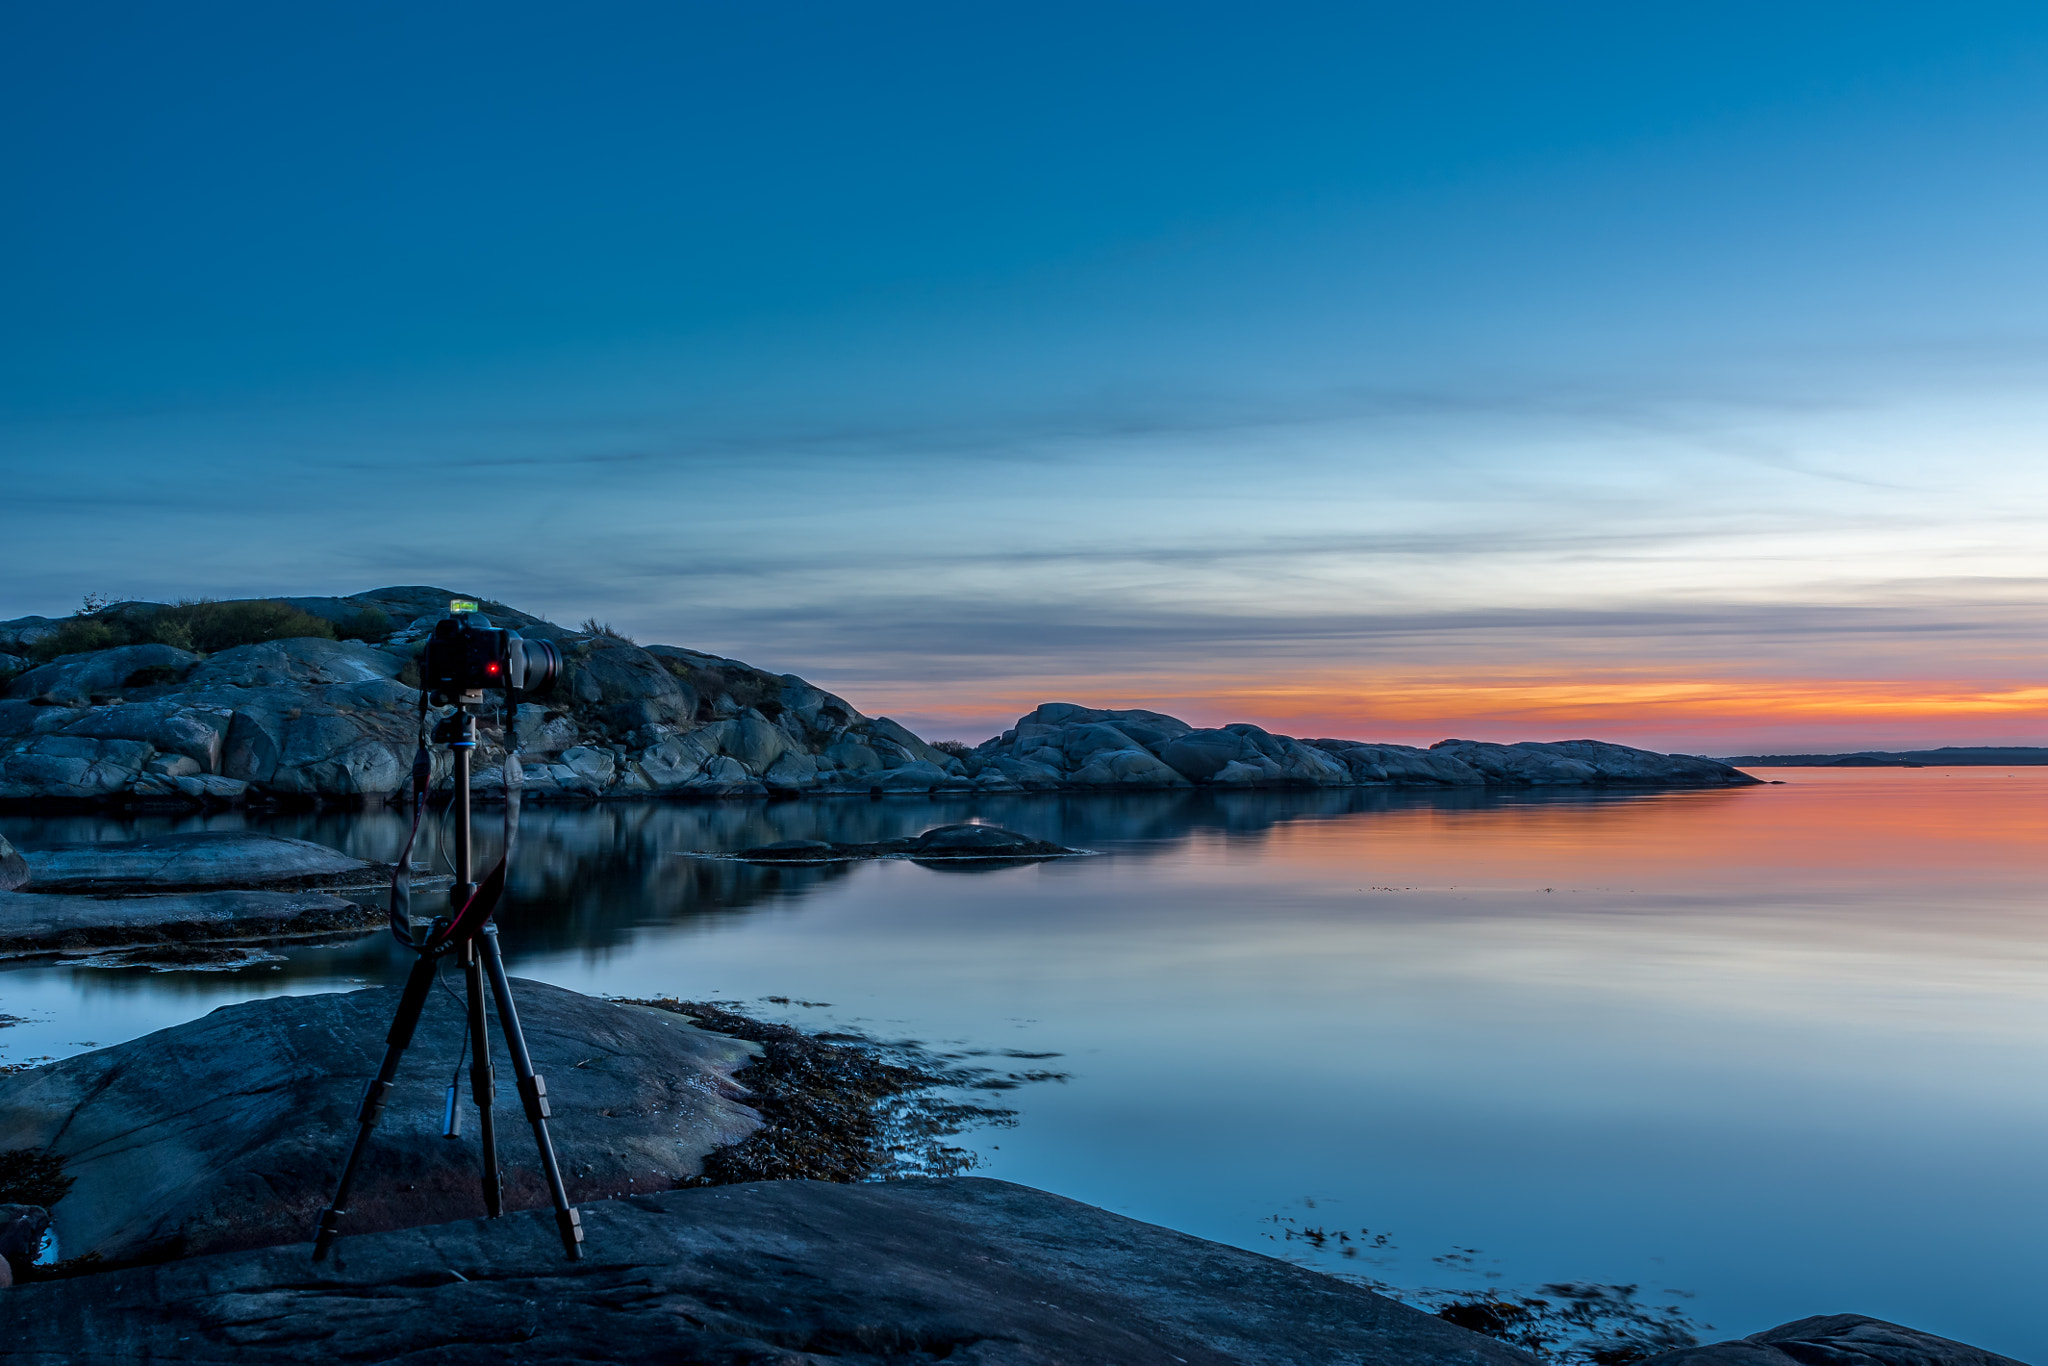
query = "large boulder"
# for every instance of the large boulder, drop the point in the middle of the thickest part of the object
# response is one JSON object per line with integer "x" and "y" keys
{"x": 344, "y": 739}
{"x": 75, "y": 680}
{"x": 304, "y": 660}
{"x": 624, "y": 686}
{"x": 1125, "y": 768}
{"x": 73, "y": 767}
{"x": 229, "y": 1132}
{"x": 960, "y": 1269}
{"x": 169, "y": 725}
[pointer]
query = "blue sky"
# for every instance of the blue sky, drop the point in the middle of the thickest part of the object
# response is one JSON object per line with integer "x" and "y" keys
{"x": 1671, "y": 376}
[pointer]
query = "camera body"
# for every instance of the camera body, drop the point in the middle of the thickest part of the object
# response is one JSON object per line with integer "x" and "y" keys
{"x": 467, "y": 655}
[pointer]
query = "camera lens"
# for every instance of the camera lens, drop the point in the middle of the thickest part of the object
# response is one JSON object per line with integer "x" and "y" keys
{"x": 536, "y": 664}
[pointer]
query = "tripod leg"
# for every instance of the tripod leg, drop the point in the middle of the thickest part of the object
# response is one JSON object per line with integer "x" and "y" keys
{"x": 533, "y": 1092}
{"x": 410, "y": 1003}
{"x": 481, "y": 1081}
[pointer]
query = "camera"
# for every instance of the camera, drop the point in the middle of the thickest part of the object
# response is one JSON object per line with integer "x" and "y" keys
{"x": 466, "y": 654}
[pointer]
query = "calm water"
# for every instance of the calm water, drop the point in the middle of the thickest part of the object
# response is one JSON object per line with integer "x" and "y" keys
{"x": 1780, "y": 1048}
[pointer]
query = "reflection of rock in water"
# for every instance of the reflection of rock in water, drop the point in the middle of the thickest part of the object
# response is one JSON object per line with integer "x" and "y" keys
{"x": 588, "y": 875}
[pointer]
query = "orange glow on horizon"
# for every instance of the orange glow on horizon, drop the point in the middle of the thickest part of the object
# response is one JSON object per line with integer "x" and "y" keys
{"x": 1365, "y": 706}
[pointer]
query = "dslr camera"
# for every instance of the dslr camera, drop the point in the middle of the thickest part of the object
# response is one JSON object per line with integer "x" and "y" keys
{"x": 467, "y": 655}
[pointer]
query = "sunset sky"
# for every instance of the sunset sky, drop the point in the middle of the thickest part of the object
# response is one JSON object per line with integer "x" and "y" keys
{"x": 1669, "y": 375}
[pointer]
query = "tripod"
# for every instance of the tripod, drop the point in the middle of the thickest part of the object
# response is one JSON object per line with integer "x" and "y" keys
{"x": 467, "y": 929}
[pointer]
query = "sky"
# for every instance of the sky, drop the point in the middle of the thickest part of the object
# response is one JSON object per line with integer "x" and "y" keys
{"x": 1667, "y": 375}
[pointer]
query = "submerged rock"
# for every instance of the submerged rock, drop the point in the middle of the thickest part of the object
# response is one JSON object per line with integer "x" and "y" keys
{"x": 956, "y": 1269}
{"x": 975, "y": 843}
{"x": 229, "y": 1132}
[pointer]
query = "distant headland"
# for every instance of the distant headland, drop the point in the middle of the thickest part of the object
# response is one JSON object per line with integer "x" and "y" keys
{"x": 291, "y": 701}
{"x": 1949, "y": 756}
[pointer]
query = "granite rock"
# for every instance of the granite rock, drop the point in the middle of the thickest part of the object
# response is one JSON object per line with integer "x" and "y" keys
{"x": 75, "y": 680}
{"x": 229, "y": 1131}
{"x": 962, "y": 1270}
{"x": 34, "y": 922}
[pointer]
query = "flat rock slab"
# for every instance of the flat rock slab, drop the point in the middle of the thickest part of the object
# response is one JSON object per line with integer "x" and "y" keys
{"x": 962, "y": 1270}
{"x": 50, "y": 922}
{"x": 230, "y": 1131}
{"x": 1835, "y": 1340}
{"x": 208, "y": 859}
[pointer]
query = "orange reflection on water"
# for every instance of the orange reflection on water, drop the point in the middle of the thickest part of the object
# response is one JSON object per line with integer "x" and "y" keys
{"x": 1838, "y": 828}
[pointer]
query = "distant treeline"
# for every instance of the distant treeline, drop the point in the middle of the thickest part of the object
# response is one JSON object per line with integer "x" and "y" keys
{"x": 1953, "y": 756}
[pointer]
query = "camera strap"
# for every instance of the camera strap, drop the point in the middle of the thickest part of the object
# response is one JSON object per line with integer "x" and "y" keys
{"x": 484, "y": 901}
{"x": 401, "y": 872}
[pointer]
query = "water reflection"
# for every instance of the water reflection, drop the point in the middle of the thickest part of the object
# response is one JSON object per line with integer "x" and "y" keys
{"x": 1777, "y": 1046}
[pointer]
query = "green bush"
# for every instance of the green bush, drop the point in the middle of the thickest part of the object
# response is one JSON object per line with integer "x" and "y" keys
{"x": 204, "y": 627}
{"x": 211, "y": 627}
{"x": 78, "y": 635}
{"x": 368, "y": 624}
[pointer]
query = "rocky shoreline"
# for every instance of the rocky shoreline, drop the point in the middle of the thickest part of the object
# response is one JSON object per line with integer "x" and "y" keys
{"x": 313, "y": 719}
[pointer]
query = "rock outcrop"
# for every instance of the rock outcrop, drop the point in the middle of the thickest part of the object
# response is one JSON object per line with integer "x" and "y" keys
{"x": 957, "y": 1269}
{"x": 229, "y": 1132}
{"x": 308, "y": 719}
{"x": 1835, "y": 1340}
{"x": 1061, "y": 746}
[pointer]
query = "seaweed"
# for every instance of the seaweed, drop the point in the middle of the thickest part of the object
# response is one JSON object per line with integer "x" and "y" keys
{"x": 842, "y": 1107}
{"x": 32, "y": 1176}
{"x": 1574, "y": 1323}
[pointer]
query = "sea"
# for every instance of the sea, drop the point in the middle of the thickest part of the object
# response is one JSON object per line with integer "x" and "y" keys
{"x": 1759, "y": 1053}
